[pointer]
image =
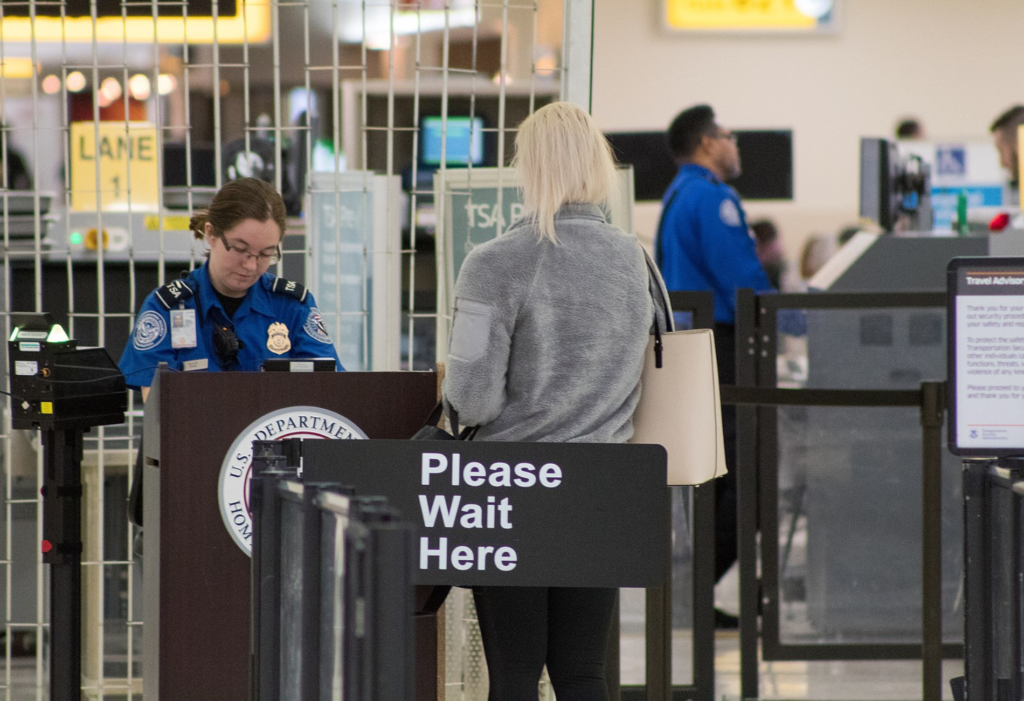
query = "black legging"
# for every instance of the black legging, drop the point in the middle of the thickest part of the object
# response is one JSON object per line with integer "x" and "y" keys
{"x": 524, "y": 628}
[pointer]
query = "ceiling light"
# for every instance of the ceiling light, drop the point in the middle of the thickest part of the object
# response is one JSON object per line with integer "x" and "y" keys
{"x": 166, "y": 83}
{"x": 51, "y": 84}
{"x": 814, "y": 8}
{"x": 110, "y": 89}
{"x": 76, "y": 81}
{"x": 139, "y": 87}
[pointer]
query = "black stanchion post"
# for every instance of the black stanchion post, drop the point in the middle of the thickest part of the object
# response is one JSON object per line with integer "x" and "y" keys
{"x": 1017, "y": 491}
{"x": 932, "y": 410}
{"x": 704, "y": 594}
{"x": 659, "y": 640}
{"x": 977, "y": 581}
{"x": 62, "y": 550}
{"x": 746, "y": 487}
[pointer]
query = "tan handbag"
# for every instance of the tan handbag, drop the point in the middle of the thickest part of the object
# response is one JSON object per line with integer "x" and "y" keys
{"x": 680, "y": 407}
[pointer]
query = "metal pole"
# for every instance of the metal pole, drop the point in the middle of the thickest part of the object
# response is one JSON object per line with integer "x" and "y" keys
{"x": 659, "y": 639}
{"x": 578, "y": 53}
{"x": 62, "y": 550}
{"x": 704, "y": 592}
{"x": 747, "y": 493}
{"x": 932, "y": 409}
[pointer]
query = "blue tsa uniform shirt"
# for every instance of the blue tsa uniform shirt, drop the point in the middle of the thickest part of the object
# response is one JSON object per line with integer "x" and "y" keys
{"x": 176, "y": 325}
{"x": 703, "y": 242}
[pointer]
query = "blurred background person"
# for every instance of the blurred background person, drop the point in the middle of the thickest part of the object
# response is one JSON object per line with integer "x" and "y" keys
{"x": 770, "y": 251}
{"x": 1004, "y": 135}
{"x": 910, "y": 129}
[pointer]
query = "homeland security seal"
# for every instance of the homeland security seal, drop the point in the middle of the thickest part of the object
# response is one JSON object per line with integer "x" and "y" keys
{"x": 236, "y": 470}
{"x": 150, "y": 329}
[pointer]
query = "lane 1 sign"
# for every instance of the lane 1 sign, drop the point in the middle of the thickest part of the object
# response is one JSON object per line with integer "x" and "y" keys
{"x": 128, "y": 174}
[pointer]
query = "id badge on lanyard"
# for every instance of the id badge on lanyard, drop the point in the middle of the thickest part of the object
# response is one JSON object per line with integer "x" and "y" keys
{"x": 183, "y": 328}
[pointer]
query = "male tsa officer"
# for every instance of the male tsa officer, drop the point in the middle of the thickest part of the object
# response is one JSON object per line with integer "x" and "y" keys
{"x": 703, "y": 243}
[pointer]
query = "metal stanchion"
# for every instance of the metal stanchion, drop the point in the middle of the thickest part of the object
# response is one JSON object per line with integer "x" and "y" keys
{"x": 932, "y": 410}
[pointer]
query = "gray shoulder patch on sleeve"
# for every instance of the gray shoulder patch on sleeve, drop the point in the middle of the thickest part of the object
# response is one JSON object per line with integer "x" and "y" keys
{"x": 471, "y": 330}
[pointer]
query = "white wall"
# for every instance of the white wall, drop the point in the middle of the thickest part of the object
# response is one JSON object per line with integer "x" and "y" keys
{"x": 953, "y": 63}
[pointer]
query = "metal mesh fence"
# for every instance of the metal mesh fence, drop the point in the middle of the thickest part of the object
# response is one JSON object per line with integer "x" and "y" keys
{"x": 122, "y": 118}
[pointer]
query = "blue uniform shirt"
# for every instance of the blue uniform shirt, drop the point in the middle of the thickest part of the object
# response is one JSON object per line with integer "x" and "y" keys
{"x": 269, "y": 324}
{"x": 704, "y": 242}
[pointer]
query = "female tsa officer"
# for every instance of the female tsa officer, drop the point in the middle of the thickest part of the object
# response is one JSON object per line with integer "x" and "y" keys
{"x": 229, "y": 314}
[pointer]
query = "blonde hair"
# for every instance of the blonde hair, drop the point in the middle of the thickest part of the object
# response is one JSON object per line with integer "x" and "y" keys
{"x": 562, "y": 157}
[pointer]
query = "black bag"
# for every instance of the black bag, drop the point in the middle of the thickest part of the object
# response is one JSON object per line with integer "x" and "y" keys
{"x": 432, "y": 430}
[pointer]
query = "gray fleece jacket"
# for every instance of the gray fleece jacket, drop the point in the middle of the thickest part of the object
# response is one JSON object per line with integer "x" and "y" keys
{"x": 548, "y": 340}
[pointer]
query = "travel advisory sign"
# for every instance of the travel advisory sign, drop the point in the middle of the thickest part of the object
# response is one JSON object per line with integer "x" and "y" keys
{"x": 236, "y": 470}
{"x": 986, "y": 356}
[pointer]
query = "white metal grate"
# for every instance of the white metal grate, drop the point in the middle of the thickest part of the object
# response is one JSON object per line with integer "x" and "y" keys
{"x": 220, "y": 93}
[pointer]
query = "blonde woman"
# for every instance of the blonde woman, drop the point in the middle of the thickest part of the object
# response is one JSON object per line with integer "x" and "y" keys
{"x": 551, "y": 322}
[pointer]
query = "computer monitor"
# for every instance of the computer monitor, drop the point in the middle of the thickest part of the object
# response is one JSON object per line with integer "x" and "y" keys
{"x": 893, "y": 187}
{"x": 464, "y": 143}
{"x": 766, "y": 157}
{"x": 653, "y": 165}
{"x": 175, "y": 159}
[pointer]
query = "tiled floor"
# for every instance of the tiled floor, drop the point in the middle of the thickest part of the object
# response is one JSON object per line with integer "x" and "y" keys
{"x": 820, "y": 681}
{"x": 825, "y": 681}
{"x": 817, "y": 681}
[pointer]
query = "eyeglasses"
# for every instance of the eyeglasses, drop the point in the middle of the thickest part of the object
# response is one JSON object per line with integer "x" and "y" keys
{"x": 726, "y": 135}
{"x": 245, "y": 255}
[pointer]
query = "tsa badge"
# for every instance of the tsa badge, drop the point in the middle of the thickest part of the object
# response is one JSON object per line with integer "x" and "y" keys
{"x": 277, "y": 339}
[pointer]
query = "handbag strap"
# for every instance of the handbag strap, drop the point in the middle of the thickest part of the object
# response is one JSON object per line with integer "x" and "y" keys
{"x": 654, "y": 281}
{"x": 467, "y": 433}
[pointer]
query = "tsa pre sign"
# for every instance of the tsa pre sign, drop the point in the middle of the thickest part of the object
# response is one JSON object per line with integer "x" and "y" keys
{"x": 127, "y": 158}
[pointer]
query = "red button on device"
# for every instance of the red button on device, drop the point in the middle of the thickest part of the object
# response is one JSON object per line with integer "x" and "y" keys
{"x": 47, "y": 546}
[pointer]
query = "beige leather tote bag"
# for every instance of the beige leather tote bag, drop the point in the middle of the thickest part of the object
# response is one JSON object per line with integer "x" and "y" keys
{"x": 680, "y": 407}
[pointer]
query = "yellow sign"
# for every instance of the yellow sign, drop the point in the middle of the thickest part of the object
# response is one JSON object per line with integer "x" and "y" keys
{"x": 252, "y": 24}
{"x": 11, "y": 67}
{"x": 172, "y": 222}
{"x": 127, "y": 160}
{"x": 746, "y": 15}
{"x": 45, "y": 407}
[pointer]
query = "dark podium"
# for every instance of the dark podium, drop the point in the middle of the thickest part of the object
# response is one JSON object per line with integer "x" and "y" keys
{"x": 196, "y": 576}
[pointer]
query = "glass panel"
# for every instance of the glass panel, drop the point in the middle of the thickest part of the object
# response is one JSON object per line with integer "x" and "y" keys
{"x": 424, "y": 333}
{"x": 632, "y": 638}
{"x": 682, "y": 585}
{"x": 850, "y": 478}
{"x": 633, "y": 603}
{"x": 330, "y": 606}
{"x": 116, "y": 654}
{"x": 861, "y": 348}
{"x": 291, "y": 600}
{"x": 849, "y": 537}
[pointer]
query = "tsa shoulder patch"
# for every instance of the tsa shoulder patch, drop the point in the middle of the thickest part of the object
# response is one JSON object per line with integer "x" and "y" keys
{"x": 173, "y": 292}
{"x": 314, "y": 326}
{"x": 289, "y": 287}
{"x": 150, "y": 330}
{"x": 729, "y": 213}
